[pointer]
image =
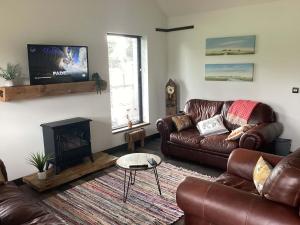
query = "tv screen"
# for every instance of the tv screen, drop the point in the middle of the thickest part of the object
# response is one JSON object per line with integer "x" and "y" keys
{"x": 50, "y": 64}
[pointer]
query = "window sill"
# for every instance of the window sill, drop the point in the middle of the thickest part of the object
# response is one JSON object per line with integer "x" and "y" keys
{"x": 116, "y": 131}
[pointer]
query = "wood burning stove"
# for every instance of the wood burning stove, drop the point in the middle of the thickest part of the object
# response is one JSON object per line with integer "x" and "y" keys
{"x": 67, "y": 142}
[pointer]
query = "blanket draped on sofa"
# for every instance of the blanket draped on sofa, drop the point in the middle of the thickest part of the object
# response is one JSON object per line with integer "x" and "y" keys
{"x": 240, "y": 111}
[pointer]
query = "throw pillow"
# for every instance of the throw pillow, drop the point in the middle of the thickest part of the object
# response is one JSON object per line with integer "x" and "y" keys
{"x": 262, "y": 171}
{"x": 182, "y": 122}
{"x": 212, "y": 126}
{"x": 237, "y": 133}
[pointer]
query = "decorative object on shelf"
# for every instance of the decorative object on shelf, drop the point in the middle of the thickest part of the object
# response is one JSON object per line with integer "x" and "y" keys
{"x": 229, "y": 72}
{"x": 39, "y": 161}
{"x": 240, "y": 45}
{"x": 171, "y": 98}
{"x": 11, "y": 72}
{"x": 101, "y": 85}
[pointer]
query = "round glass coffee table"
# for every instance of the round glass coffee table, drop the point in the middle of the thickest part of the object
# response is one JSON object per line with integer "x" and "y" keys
{"x": 134, "y": 162}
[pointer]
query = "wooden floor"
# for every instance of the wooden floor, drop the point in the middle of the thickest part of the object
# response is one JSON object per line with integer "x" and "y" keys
{"x": 152, "y": 146}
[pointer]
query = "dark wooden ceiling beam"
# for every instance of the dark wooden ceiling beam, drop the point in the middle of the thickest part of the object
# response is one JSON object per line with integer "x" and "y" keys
{"x": 175, "y": 29}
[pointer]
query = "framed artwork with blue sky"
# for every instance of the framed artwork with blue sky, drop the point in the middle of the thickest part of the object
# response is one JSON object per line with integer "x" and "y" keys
{"x": 229, "y": 72}
{"x": 240, "y": 45}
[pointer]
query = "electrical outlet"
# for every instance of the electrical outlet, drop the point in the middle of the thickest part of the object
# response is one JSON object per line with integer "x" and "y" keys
{"x": 295, "y": 90}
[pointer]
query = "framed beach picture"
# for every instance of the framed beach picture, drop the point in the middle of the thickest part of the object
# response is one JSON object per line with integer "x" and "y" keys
{"x": 241, "y": 45}
{"x": 229, "y": 72}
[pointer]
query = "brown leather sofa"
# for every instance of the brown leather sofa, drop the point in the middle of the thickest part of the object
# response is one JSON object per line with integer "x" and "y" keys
{"x": 233, "y": 199}
{"x": 16, "y": 208}
{"x": 215, "y": 150}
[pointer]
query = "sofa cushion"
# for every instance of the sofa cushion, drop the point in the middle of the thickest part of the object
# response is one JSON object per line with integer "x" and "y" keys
{"x": 262, "y": 171}
{"x": 283, "y": 185}
{"x": 182, "y": 122}
{"x": 237, "y": 133}
{"x": 212, "y": 126}
{"x": 237, "y": 182}
{"x": 189, "y": 137}
{"x": 218, "y": 143}
{"x": 17, "y": 208}
{"x": 199, "y": 109}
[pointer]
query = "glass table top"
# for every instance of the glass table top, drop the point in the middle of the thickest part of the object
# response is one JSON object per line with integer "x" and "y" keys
{"x": 137, "y": 159}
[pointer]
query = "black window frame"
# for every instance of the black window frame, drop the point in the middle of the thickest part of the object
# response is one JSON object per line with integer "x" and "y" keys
{"x": 140, "y": 74}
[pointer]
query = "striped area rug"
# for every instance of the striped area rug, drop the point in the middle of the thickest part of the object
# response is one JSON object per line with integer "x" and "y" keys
{"x": 100, "y": 201}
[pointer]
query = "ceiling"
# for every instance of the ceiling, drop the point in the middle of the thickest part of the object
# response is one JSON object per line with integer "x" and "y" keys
{"x": 185, "y": 7}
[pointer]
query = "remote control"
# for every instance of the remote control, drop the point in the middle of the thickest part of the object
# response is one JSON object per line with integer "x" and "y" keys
{"x": 139, "y": 166}
{"x": 152, "y": 162}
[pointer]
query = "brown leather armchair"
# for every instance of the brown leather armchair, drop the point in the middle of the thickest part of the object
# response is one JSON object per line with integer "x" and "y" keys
{"x": 233, "y": 199}
{"x": 215, "y": 150}
{"x": 16, "y": 208}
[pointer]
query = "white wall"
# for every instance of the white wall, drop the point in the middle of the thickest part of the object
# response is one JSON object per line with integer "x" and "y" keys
{"x": 73, "y": 22}
{"x": 277, "y": 58}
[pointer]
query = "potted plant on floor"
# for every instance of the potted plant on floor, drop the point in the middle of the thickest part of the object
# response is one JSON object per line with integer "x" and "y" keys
{"x": 11, "y": 72}
{"x": 39, "y": 161}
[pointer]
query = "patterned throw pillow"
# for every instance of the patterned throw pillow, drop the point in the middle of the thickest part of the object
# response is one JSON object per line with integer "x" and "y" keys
{"x": 212, "y": 126}
{"x": 261, "y": 172}
{"x": 238, "y": 132}
{"x": 182, "y": 122}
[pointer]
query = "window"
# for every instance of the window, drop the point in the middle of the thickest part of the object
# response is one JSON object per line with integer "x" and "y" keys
{"x": 124, "y": 54}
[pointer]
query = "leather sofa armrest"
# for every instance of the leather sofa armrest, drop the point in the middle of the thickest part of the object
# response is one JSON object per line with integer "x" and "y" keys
{"x": 260, "y": 135}
{"x": 241, "y": 162}
{"x": 223, "y": 205}
{"x": 165, "y": 126}
{"x": 3, "y": 170}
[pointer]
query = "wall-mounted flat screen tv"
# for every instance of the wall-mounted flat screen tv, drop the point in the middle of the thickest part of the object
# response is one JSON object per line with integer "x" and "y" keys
{"x": 49, "y": 64}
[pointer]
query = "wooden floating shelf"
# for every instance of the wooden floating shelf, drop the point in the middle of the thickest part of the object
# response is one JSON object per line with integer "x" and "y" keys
{"x": 101, "y": 161}
{"x": 37, "y": 91}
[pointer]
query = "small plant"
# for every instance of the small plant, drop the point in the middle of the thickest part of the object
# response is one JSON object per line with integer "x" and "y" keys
{"x": 38, "y": 160}
{"x": 101, "y": 85}
{"x": 11, "y": 72}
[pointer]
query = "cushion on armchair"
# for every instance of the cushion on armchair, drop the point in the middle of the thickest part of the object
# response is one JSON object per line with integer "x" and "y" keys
{"x": 283, "y": 185}
{"x": 262, "y": 171}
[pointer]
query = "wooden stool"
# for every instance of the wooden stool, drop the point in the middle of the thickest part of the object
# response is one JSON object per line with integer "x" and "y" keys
{"x": 136, "y": 135}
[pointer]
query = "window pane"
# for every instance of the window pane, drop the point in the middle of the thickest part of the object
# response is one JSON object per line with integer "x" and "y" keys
{"x": 124, "y": 81}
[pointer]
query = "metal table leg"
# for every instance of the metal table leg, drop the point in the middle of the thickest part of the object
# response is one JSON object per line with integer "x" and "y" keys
{"x": 131, "y": 181}
{"x": 157, "y": 180}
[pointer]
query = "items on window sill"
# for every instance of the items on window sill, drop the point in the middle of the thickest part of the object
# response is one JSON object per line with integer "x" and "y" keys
{"x": 129, "y": 124}
{"x": 129, "y": 121}
{"x": 101, "y": 85}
